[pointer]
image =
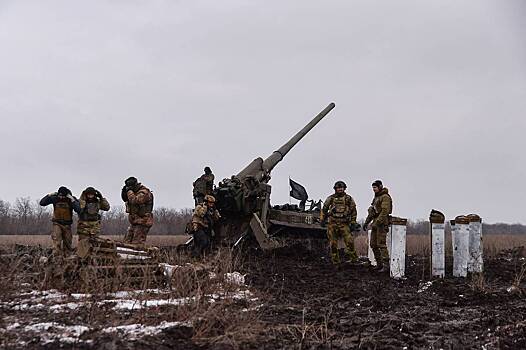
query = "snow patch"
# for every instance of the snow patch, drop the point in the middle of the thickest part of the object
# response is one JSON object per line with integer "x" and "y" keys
{"x": 168, "y": 269}
{"x": 424, "y": 286}
{"x": 53, "y": 331}
{"x": 134, "y": 331}
{"x": 235, "y": 277}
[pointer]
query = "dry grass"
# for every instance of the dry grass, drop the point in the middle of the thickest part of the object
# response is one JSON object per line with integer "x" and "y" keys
{"x": 45, "y": 240}
{"x": 419, "y": 244}
{"x": 416, "y": 244}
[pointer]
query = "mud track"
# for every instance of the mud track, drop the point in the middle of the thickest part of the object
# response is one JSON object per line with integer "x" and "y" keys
{"x": 311, "y": 304}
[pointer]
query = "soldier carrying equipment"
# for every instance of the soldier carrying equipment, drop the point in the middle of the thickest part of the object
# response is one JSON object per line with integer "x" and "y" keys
{"x": 139, "y": 206}
{"x": 339, "y": 210}
{"x": 203, "y": 220}
{"x": 203, "y": 186}
{"x": 91, "y": 203}
{"x": 63, "y": 206}
{"x": 379, "y": 214}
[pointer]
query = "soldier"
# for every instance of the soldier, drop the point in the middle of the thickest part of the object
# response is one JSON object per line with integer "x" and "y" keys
{"x": 63, "y": 205}
{"x": 379, "y": 211}
{"x": 203, "y": 221}
{"x": 203, "y": 185}
{"x": 91, "y": 203}
{"x": 139, "y": 206}
{"x": 339, "y": 210}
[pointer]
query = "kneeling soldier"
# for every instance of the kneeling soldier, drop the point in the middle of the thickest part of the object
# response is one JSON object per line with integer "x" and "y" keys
{"x": 63, "y": 205}
{"x": 339, "y": 210}
{"x": 91, "y": 203}
{"x": 203, "y": 221}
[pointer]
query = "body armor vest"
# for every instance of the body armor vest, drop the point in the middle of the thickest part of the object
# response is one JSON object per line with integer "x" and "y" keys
{"x": 62, "y": 211}
{"x": 90, "y": 212}
{"x": 340, "y": 208}
{"x": 141, "y": 209}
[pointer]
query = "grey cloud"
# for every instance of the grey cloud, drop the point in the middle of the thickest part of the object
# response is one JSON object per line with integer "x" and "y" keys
{"x": 430, "y": 97}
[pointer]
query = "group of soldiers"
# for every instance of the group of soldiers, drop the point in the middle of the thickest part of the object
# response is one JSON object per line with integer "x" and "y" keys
{"x": 205, "y": 214}
{"x": 139, "y": 206}
{"x": 339, "y": 212}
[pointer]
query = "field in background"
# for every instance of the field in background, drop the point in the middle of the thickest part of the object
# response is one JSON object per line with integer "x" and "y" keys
{"x": 416, "y": 244}
{"x": 45, "y": 240}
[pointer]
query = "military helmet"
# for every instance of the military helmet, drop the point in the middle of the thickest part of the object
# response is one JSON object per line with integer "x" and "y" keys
{"x": 210, "y": 198}
{"x": 208, "y": 171}
{"x": 131, "y": 181}
{"x": 63, "y": 191}
{"x": 340, "y": 184}
{"x": 90, "y": 190}
{"x": 378, "y": 183}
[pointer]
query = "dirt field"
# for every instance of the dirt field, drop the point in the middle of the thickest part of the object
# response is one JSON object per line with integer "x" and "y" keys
{"x": 288, "y": 299}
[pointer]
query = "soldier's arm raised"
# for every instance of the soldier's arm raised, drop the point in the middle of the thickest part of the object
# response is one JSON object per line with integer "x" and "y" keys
{"x": 75, "y": 204}
{"x": 48, "y": 199}
{"x": 104, "y": 204}
{"x": 142, "y": 197}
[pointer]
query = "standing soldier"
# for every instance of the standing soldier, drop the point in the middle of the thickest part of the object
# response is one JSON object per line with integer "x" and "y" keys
{"x": 139, "y": 206}
{"x": 203, "y": 221}
{"x": 63, "y": 205}
{"x": 339, "y": 210}
{"x": 91, "y": 203}
{"x": 203, "y": 185}
{"x": 379, "y": 211}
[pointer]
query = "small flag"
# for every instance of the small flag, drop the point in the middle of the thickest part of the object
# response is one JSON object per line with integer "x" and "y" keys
{"x": 297, "y": 191}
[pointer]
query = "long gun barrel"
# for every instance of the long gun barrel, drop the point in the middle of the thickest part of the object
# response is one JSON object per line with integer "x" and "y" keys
{"x": 259, "y": 168}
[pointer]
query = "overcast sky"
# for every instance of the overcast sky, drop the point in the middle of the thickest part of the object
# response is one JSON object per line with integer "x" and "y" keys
{"x": 430, "y": 97}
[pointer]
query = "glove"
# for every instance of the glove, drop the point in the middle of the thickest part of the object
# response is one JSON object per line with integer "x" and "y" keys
{"x": 124, "y": 194}
{"x": 365, "y": 227}
{"x": 70, "y": 197}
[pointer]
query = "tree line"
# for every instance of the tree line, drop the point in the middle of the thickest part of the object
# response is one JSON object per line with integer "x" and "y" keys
{"x": 27, "y": 217}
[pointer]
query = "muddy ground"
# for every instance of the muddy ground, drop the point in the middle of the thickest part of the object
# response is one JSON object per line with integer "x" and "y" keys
{"x": 293, "y": 299}
{"x": 310, "y": 303}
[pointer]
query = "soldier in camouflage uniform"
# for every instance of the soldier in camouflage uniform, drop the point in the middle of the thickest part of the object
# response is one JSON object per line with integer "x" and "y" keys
{"x": 63, "y": 206}
{"x": 339, "y": 210}
{"x": 203, "y": 220}
{"x": 379, "y": 214}
{"x": 203, "y": 185}
{"x": 91, "y": 203}
{"x": 139, "y": 206}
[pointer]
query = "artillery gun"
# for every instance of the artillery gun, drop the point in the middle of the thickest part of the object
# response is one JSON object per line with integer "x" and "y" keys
{"x": 244, "y": 204}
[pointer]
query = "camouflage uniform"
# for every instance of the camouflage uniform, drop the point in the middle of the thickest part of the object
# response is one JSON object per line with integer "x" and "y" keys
{"x": 139, "y": 206}
{"x": 203, "y": 221}
{"x": 379, "y": 211}
{"x": 340, "y": 209}
{"x": 89, "y": 217}
{"x": 202, "y": 186}
{"x": 62, "y": 219}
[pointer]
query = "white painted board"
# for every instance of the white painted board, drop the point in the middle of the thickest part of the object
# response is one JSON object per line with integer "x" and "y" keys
{"x": 438, "y": 256}
{"x": 475, "y": 263}
{"x": 397, "y": 250}
{"x": 460, "y": 250}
